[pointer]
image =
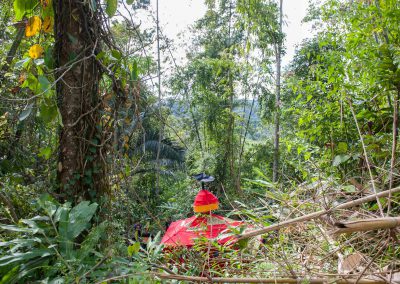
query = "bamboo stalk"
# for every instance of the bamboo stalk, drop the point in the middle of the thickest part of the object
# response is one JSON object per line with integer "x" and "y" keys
{"x": 367, "y": 225}
{"x": 265, "y": 280}
{"x": 317, "y": 214}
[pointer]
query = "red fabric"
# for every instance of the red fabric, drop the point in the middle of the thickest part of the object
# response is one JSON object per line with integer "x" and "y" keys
{"x": 184, "y": 232}
{"x": 204, "y": 197}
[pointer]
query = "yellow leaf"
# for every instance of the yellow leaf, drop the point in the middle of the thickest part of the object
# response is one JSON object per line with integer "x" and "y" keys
{"x": 33, "y": 26}
{"x": 36, "y": 51}
{"x": 48, "y": 24}
{"x": 45, "y": 3}
{"x": 21, "y": 79}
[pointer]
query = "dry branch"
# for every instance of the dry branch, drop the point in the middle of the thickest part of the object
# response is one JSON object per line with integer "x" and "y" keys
{"x": 366, "y": 225}
{"x": 265, "y": 280}
{"x": 317, "y": 214}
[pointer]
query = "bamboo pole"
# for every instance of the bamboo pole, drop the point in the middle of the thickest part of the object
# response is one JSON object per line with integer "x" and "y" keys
{"x": 265, "y": 280}
{"x": 366, "y": 225}
{"x": 317, "y": 214}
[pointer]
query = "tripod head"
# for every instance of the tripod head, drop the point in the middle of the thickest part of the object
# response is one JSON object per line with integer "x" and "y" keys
{"x": 203, "y": 178}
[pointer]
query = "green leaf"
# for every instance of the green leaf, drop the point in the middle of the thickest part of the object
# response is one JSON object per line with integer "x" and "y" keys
{"x": 10, "y": 274}
{"x": 44, "y": 84}
{"x": 23, "y": 257}
{"x": 33, "y": 225}
{"x": 22, "y": 63}
{"x": 262, "y": 183}
{"x": 16, "y": 229}
{"x": 116, "y": 54}
{"x": 32, "y": 83}
{"x": 91, "y": 240}
{"x": 61, "y": 216}
{"x": 129, "y": 2}
{"x": 23, "y": 7}
{"x": 100, "y": 55}
{"x": 45, "y": 152}
{"x": 80, "y": 217}
{"x": 342, "y": 147}
{"x": 60, "y": 118}
{"x": 134, "y": 248}
{"x": 339, "y": 159}
{"x": 39, "y": 61}
{"x": 21, "y": 242}
{"x": 111, "y": 7}
{"x": 48, "y": 111}
{"x": 49, "y": 58}
{"x": 349, "y": 188}
{"x": 48, "y": 204}
{"x": 26, "y": 112}
{"x": 135, "y": 73}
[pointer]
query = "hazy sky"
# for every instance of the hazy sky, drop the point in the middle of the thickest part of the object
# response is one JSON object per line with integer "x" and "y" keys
{"x": 177, "y": 15}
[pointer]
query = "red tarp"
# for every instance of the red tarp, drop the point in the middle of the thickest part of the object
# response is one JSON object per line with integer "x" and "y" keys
{"x": 184, "y": 232}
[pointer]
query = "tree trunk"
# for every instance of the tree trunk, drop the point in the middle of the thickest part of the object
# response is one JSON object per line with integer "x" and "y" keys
{"x": 81, "y": 167}
{"x": 278, "y": 52}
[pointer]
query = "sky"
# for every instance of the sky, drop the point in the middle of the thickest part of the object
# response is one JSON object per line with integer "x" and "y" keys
{"x": 177, "y": 15}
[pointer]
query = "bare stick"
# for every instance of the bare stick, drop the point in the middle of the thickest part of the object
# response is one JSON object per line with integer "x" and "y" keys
{"x": 372, "y": 260}
{"x": 317, "y": 214}
{"x": 367, "y": 225}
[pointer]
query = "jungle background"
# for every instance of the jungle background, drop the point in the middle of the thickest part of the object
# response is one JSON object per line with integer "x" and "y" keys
{"x": 102, "y": 130}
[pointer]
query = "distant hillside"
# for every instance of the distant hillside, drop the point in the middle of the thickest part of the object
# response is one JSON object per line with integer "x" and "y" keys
{"x": 255, "y": 132}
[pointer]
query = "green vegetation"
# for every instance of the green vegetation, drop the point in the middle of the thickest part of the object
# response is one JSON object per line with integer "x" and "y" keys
{"x": 96, "y": 159}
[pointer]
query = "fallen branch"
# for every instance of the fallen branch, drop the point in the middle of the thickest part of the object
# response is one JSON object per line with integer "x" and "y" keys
{"x": 317, "y": 214}
{"x": 366, "y": 225}
{"x": 265, "y": 280}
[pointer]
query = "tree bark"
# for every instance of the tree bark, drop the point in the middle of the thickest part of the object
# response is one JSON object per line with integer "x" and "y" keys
{"x": 278, "y": 52}
{"x": 81, "y": 167}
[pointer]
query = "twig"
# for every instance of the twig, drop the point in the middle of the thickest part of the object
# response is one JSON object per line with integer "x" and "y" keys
{"x": 163, "y": 268}
{"x": 372, "y": 260}
{"x": 108, "y": 255}
{"x": 366, "y": 157}
{"x": 84, "y": 114}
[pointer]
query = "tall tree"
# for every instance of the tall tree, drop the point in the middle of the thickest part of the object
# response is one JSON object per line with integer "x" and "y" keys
{"x": 213, "y": 74}
{"x": 81, "y": 166}
{"x": 264, "y": 19}
{"x": 278, "y": 55}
